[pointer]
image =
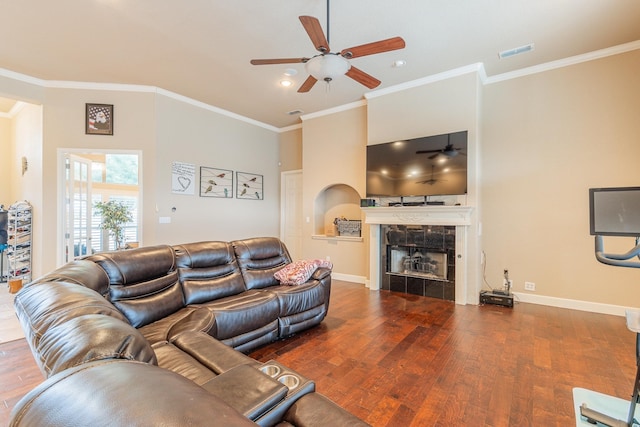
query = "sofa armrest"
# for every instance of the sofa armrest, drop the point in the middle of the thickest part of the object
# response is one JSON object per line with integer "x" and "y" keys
{"x": 321, "y": 273}
{"x": 247, "y": 390}
{"x": 210, "y": 352}
{"x": 122, "y": 393}
{"x": 315, "y": 410}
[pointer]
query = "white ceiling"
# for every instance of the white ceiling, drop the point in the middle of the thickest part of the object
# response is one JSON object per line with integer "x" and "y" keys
{"x": 201, "y": 48}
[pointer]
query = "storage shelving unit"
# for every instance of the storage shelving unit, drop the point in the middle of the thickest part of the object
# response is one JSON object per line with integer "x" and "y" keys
{"x": 19, "y": 227}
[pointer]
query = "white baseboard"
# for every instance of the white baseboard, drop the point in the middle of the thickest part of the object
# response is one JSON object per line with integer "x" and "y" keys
{"x": 594, "y": 307}
{"x": 349, "y": 278}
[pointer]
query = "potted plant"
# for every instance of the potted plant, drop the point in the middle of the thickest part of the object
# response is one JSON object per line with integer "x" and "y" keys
{"x": 114, "y": 216}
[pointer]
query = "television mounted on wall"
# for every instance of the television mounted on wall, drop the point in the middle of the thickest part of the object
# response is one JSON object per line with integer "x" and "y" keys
{"x": 427, "y": 166}
{"x": 614, "y": 211}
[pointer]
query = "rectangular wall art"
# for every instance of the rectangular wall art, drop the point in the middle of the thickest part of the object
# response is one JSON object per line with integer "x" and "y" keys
{"x": 249, "y": 186}
{"x": 98, "y": 119}
{"x": 216, "y": 182}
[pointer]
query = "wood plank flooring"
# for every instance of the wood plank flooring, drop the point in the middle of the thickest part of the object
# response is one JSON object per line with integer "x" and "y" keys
{"x": 403, "y": 360}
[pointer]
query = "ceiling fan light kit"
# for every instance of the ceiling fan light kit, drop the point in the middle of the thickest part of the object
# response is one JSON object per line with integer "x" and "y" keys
{"x": 327, "y": 67}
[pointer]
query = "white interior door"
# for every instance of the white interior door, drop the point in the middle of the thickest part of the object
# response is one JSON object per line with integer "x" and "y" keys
{"x": 77, "y": 212}
{"x": 291, "y": 212}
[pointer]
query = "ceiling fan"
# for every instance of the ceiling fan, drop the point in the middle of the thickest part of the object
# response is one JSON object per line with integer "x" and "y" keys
{"x": 449, "y": 150}
{"x": 328, "y": 65}
{"x": 432, "y": 180}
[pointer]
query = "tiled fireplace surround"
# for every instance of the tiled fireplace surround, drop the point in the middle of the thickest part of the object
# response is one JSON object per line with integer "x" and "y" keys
{"x": 446, "y": 227}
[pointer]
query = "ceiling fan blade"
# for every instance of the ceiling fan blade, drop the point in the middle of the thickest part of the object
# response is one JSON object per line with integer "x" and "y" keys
{"x": 279, "y": 61}
{"x": 308, "y": 84}
{"x": 363, "y": 78}
{"x": 387, "y": 45}
{"x": 314, "y": 29}
{"x": 428, "y": 151}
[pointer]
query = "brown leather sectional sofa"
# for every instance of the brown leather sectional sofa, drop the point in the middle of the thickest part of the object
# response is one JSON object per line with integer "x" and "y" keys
{"x": 157, "y": 336}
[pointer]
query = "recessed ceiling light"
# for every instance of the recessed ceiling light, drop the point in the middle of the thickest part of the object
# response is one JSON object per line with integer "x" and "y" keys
{"x": 399, "y": 63}
{"x": 290, "y": 72}
{"x": 285, "y": 83}
{"x": 516, "y": 51}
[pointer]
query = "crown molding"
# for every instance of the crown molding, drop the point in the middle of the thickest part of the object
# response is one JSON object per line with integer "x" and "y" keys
{"x": 565, "y": 62}
{"x": 338, "y": 109}
{"x": 456, "y": 72}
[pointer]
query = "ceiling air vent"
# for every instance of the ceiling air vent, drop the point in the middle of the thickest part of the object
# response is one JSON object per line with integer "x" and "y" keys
{"x": 516, "y": 51}
{"x": 294, "y": 112}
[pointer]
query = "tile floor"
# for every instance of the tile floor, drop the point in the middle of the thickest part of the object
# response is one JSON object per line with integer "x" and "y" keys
{"x": 10, "y": 329}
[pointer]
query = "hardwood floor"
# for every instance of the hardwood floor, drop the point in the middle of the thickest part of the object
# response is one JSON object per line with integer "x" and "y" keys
{"x": 403, "y": 360}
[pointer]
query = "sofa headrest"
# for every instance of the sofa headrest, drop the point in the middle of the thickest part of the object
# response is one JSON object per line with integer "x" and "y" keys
{"x": 136, "y": 265}
{"x": 260, "y": 248}
{"x": 82, "y": 272}
{"x": 204, "y": 254}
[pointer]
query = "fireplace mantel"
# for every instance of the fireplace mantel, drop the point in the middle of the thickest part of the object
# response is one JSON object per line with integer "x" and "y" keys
{"x": 459, "y": 216}
{"x": 422, "y": 215}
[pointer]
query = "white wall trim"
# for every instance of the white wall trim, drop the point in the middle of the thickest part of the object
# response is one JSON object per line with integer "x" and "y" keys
{"x": 472, "y": 68}
{"x": 565, "y": 62}
{"x": 349, "y": 278}
{"x": 60, "y": 84}
{"x": 338, "y": 109}
{"x": 593, "y": 307}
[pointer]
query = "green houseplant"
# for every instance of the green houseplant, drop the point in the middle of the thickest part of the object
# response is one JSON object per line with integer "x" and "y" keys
{"x": 114, "y": 216}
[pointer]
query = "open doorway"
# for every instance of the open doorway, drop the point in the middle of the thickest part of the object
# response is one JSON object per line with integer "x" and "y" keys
{"x": 92, "y": 177}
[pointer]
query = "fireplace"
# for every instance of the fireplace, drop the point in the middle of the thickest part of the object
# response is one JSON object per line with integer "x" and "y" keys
{"x": 440, "y": 236}
{"x": 415, "y": 260}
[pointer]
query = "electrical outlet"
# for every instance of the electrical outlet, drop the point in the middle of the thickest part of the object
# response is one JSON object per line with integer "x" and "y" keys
{"x": 328, "y": 258}
{"x": 529, "y": 286}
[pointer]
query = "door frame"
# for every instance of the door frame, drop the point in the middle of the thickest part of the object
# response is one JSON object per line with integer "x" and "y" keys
{"x": 61, "y": 182}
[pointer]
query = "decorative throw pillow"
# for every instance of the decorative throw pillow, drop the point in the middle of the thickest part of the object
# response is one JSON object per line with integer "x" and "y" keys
{"x": 299, "y": 272}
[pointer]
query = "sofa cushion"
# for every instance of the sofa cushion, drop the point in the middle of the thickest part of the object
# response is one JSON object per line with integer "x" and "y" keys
{"x": 143, "y": 282}
{"x": 174, "y": 359}
{"x": 91, "y": 337}
{"x": 186, "y": 319}
{"x": 259, "y": 259}
{"x": 243, "y": 313}
{"x": 208, "y": 271}
{"x": 146, "y": 302}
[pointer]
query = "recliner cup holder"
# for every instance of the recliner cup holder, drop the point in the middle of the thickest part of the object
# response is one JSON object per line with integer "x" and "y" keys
{"x": 271, "y": 370}
{"x": 291, "y": 381}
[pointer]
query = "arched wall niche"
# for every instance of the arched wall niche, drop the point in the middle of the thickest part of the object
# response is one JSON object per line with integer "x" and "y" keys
{"x": 335, "y": 201}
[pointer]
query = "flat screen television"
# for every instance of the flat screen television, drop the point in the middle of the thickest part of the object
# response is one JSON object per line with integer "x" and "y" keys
{"x": 426, "y": 166}
{"x": 614, "y": 211}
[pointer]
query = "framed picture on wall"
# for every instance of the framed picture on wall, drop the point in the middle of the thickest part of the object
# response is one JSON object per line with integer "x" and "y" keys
{"x": 249, "y": 186}
{"x": 216, "y": 182}
{"x": 99, "y": 119}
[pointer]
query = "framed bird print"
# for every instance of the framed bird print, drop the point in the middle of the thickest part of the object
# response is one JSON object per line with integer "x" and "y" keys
{"x": 249, "y": 186}
{"x": 216, "y": 182}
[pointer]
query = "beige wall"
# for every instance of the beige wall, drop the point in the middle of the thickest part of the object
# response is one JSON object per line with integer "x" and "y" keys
{"x": 291, "y": 150}
{"x": 163, "y": 130}
{"x": 547, "y": 139}
{"x": 190, "y": 134}
{"x": 333, "y": 154}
